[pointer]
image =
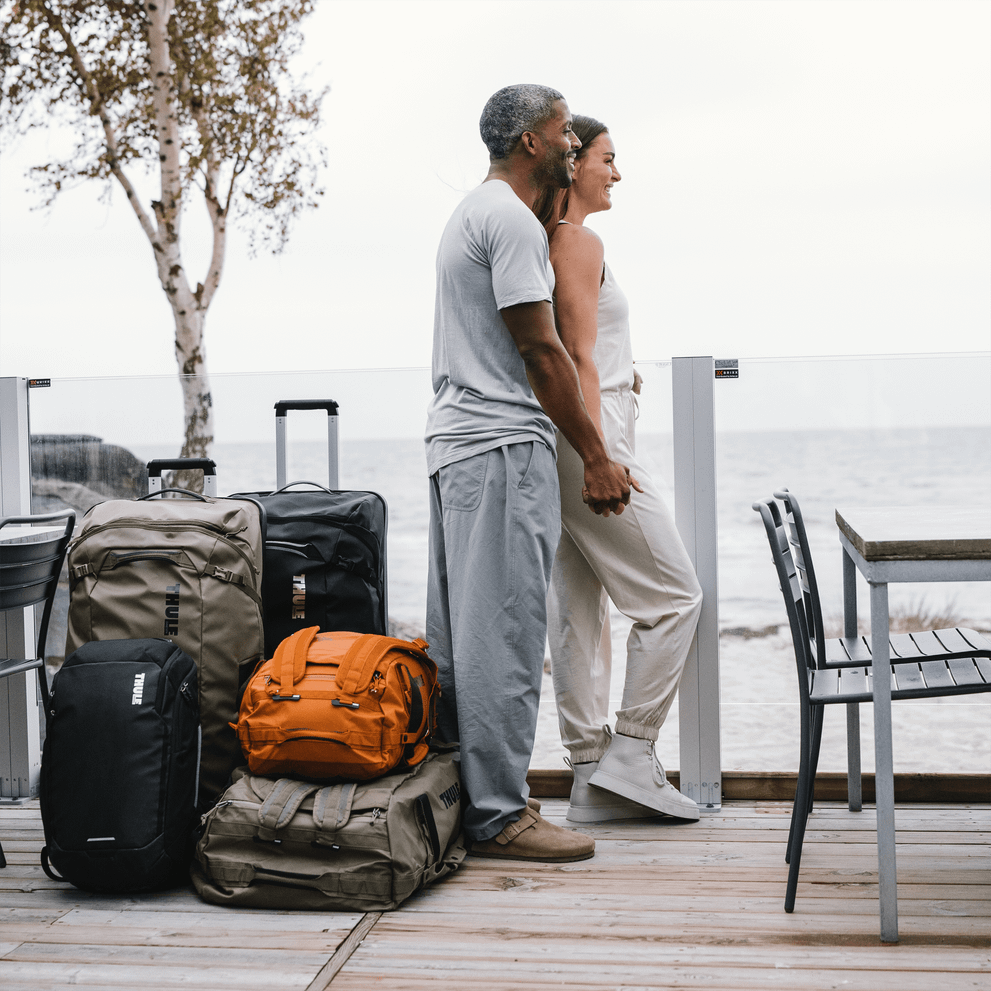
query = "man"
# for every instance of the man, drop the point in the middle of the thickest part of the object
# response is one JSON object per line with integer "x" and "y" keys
{"x": 502, "y": 382}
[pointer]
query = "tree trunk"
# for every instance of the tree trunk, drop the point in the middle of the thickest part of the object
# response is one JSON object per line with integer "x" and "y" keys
{"x": 197, "y": 401}
{"x": 188, "y": 307}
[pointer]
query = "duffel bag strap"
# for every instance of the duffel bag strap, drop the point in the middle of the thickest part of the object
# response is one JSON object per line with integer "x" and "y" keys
{"x": 289, "y": 663}
{"x": 332, "y": 806}
{"x": 360, "y": 662}
{"x": 282, "y": 804}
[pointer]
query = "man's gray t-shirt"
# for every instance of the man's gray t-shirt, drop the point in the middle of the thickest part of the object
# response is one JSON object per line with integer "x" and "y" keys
{"x": 493, "y": 254}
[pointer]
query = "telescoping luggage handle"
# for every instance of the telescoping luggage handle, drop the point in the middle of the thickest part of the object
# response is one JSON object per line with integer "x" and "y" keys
{"x": 281, "y": 408}
{"x": 208, "y": 467}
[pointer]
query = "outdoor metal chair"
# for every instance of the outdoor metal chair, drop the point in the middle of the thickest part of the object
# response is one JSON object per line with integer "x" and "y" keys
{"x": 853, "y": 651}
{"x": 29, "y": 574}
{"x": 843, "y": 682}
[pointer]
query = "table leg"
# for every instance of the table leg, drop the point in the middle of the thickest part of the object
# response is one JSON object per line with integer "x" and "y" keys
{"x": 884, "y": 782}
{"x": 854, "y": 792}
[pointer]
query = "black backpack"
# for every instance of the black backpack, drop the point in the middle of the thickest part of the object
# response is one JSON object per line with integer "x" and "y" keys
{"x": 119, "y": 770}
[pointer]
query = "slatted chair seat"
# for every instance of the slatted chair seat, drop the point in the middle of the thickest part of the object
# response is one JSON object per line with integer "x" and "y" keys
{"x": 960, "y": 676}
{"x": 932, "y": 664}
{"x": 953, "y": 642}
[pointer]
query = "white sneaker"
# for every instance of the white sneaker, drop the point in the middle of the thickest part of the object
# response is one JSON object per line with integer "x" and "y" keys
{"x": 630, "y": 768}
{"x": 590, "y": 804}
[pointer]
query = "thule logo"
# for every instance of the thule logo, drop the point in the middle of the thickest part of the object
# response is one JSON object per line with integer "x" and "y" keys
{"x": 138, "y": 691}
{"x": 451, "y": 795}
{"x": 299, "y": 596}
{"x": 171, "y": 610}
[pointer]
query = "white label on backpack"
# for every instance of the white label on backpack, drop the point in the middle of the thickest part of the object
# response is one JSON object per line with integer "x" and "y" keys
{"x": 299, "y": 596}
{"x": 137, "y": 692}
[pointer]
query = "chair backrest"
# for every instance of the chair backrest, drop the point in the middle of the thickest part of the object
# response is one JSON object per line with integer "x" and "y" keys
{"x": 30, "y": 564}
{"x": 802, "y": 556}
{"x": 792, "y": 588}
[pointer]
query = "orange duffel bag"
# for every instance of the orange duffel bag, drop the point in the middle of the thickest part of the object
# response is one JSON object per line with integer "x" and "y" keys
{"x": 350, "y": 706}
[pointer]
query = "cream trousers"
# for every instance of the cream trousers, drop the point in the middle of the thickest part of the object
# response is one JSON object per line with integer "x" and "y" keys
{"x": 638, "y": 558}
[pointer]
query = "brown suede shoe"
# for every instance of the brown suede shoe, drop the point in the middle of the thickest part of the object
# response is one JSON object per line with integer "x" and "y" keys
{"x": 534, "y": 838}
{"x": 534, "y": 804}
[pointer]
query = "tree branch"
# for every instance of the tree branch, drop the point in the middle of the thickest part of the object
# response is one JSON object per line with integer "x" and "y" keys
{"x": 98, "y": 109}
{"x": 216, "y": 210}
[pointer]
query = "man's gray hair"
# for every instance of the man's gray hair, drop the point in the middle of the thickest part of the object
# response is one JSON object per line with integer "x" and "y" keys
{"x": 513, "y": 110}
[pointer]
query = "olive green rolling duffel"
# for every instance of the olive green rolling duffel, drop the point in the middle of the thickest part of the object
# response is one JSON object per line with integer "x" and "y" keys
{"x": 186, "y": 569}
{"x": 365, "y": 846}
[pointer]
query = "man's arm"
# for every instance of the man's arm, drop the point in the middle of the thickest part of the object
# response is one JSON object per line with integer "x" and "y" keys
{"x": 554, "y": 381}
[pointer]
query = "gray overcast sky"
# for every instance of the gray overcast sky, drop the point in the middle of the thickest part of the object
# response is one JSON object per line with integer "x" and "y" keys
{"x": 799, "y": 178}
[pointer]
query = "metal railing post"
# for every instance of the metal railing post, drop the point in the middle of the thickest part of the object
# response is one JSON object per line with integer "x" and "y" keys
{"x": 695, "y": 516}
{"x": 20, "y": 743}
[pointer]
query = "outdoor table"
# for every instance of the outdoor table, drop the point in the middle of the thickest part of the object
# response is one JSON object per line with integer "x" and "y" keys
{"x": 902, "y": 544}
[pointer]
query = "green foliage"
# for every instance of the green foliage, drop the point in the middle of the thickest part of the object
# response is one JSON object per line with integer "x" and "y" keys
{"x": 241, "y": 119}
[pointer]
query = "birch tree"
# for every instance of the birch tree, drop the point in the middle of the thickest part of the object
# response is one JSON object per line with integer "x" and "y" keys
{"x": 195, "y": 95}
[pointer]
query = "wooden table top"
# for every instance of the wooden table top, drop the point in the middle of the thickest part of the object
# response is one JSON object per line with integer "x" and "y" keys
{"x": 918, "y": 533}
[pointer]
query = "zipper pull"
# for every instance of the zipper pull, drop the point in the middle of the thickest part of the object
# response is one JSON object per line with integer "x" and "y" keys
{"x": 209, "y": 814}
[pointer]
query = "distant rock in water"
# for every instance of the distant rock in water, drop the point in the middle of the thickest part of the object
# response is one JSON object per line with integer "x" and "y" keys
{"x": 405, "y": 631}
{"x": 79, "y": 470}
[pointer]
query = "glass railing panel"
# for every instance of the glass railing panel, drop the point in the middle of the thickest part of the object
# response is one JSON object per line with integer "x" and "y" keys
{"x": 897, "y": 430}
{"x": 906, "y": 430}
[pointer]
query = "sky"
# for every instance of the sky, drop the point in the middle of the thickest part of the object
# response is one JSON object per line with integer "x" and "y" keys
{"x": 799, "y": 178}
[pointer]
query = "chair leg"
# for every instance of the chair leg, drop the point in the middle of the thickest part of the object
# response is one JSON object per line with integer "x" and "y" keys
{"x": 854, "y": 791}
{"x": 811, "y": 757}
{"x": 803, "y": 804}
{"x": 817, "y": 718}
{"x": 806, "y": 731}
{"x": 3, "y": 859}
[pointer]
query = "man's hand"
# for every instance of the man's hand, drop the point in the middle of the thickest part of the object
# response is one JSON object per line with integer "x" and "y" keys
{"x": 554, "y": 381}
{"x": 608, "y": 487}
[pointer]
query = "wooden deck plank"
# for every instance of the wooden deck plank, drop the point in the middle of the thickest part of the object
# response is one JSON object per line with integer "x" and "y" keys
{"x": 127, "y": 975}
{"x": 575, "y": 965}
{"x": 661, "y": 905}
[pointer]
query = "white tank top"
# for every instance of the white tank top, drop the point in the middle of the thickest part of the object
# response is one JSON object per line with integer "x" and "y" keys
{"x": 613, "y": 354}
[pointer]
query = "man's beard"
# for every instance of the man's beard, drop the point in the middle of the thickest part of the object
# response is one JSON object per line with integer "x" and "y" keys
{"x": 555, "y": 174}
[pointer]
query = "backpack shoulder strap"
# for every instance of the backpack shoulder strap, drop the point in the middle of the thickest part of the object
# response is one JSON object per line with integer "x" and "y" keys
{"x": 366, "y": 652}
{"x": 282, "y": 804}
{"x": 332, "y": 806}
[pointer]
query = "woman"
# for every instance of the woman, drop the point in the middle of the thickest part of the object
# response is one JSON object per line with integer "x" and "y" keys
{"x": 636, "y": 557}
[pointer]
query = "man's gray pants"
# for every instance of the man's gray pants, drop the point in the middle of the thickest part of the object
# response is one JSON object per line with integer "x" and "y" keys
{"x": 495, "y": 521}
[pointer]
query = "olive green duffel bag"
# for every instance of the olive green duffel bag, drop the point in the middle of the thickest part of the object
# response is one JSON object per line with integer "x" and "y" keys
{"x": 366, "y": 846}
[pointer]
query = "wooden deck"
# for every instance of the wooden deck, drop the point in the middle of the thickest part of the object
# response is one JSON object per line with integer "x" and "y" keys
{"x": 664, "y": 905}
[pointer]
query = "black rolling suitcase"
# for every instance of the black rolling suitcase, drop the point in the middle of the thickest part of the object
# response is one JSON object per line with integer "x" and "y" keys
{"x": 120, "y": 767}
{"x": 325, "y": 549}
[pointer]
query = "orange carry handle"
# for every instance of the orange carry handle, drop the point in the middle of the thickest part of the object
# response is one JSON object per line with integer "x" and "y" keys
{"x": 289, "y": 663}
